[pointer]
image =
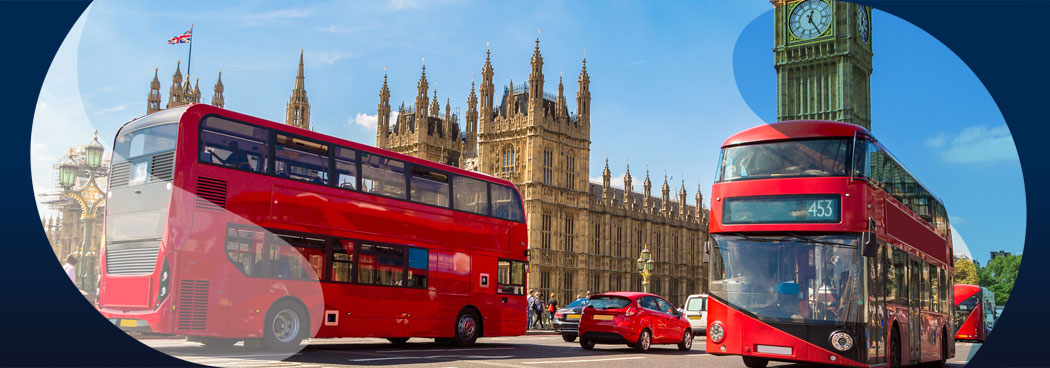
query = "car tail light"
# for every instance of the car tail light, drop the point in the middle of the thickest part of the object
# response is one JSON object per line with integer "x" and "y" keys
{"x": 557, "y": 315}
{"x": 630, "y": 311}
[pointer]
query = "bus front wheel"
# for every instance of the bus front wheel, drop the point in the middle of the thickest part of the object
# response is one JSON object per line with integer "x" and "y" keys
{"x": 468, "y": 328}
{"x": 895, "y": 348}
{"x": 286, "y": 325}
{"x": 752, "y": 362}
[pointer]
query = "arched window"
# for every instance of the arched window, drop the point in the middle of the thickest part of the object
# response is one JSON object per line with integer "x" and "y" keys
{"x": 508, "y": 159}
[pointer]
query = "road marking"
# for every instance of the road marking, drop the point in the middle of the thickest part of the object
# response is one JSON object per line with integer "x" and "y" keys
{"x": 582, "y": 360}
{"x": 436, "y": 357}
{"x": 431, "y": 350}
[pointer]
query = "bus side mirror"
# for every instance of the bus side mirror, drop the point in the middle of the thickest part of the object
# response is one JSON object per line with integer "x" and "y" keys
{"x": 870, "y": 243}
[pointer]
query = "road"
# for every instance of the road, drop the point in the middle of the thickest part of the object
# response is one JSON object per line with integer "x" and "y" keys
{"x": 520, "y": 351}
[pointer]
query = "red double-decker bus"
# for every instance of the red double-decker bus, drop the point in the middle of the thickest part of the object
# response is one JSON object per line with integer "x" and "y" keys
{"x": 974, "y": 312}
{"x": 225, "y": 227}
{"x": 825, "y": 249}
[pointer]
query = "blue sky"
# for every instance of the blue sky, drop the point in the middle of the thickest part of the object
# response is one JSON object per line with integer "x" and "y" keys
{"x": 669, "y": 82}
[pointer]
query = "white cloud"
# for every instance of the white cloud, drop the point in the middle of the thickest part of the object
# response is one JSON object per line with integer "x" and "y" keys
{"x": 264, "y": 18}
{"x": 365, "y": 120}
{"x": 959, "y": 220}
{"x": 120, "y": 107}
{"x": 327, "y": 57}
{"x": 403, "y": 4}
{"x": 977, "y": 144}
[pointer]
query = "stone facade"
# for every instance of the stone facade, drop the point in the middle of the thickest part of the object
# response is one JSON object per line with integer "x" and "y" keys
{"x": 826, "y": 75}
{"x": 180, "y": 93}
{"x": 582, "y": 236}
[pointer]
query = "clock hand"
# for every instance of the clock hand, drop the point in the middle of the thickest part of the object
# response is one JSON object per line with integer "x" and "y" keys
{"x": 810, "y": 19}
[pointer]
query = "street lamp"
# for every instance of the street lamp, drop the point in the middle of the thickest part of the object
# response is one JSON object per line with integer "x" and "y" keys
{"x": 645, "y": 267}
{"x": 90, "y": 198}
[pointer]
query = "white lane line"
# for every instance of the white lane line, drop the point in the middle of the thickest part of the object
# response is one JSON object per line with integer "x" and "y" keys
{"x": 436, "y": 357}
{"x": 432, "y": 350}
{"x": 582, "y": 360}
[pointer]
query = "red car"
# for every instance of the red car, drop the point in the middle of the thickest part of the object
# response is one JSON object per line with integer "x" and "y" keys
{"x": 636, "y": 319}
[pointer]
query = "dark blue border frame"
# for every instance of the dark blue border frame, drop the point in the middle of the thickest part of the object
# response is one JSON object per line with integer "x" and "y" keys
{"x": 48, "y": 323}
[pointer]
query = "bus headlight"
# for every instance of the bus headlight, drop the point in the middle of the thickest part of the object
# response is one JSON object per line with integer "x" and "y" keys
{"x": 717, "y": 332}
{"x": 165, "y": 283}
{"x": 841, "y": 340}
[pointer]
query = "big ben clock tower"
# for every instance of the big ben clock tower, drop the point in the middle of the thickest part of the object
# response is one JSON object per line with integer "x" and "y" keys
{"x": 823, "y": 61}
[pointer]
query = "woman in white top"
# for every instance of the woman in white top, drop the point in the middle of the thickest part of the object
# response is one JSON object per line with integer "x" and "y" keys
{"x": 70, "y": 267}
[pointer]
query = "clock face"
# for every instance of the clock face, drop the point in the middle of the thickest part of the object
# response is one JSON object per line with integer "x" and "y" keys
{"x": 810, "y": 19}
{"x": 862, "y": 23}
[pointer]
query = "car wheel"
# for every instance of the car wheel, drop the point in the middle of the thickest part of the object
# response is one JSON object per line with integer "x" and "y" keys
{"x": 568, "y": 337}
{"x": 468, "y": 328}
{"x": 645, "y": 340}
{"x": 397, "y": 340}
{"x": 586, "y": 344}
{"x": 287, "y": 324}
{"x": 752, "y": 362}
{"x": 687, "y": 341}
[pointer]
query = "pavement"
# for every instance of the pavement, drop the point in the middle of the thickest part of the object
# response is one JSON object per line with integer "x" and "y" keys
{"x": 542, "y": 349}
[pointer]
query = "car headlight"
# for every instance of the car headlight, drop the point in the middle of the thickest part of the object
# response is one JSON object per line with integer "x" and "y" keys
{"x": 717, "y": 332}
{"x": 841, "y": 340}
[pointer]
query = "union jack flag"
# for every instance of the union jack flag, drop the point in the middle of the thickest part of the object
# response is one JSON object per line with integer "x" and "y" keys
{"x": 182, "y": 38}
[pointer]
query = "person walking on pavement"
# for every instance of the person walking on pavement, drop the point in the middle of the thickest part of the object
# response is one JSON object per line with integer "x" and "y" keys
{"x": 530, "y": 311}
{"x": 70, "y": 268}
{"x": 552, "y": 305}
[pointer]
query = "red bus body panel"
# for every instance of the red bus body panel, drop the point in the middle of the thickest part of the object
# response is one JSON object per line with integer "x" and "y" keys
{"x": 972, "y": 328}
{"x": 462, "y": 247}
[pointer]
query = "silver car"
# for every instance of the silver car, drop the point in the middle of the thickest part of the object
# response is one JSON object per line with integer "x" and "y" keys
{"x": 696, "y": 312}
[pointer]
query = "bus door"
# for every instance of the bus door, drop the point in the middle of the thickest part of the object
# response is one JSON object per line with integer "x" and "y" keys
{"x": 914, "y": 316}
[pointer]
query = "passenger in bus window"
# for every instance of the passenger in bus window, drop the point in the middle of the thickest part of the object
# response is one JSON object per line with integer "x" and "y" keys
{"x": 237, "y": 157}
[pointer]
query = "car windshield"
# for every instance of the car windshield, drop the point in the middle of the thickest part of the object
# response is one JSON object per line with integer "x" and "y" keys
{"x": 800, "y": 158}
{"x": 789, "y": 278}
{"x": 578, "y": 303}
{"x": 609, "y": 302}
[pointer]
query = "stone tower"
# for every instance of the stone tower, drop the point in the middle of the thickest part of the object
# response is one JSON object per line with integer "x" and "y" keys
{"x": 383, "y": 115}
{"x": 153, "y": 99}
{"x": 217, "y": 99}
{"x": 298, "y": 111}
{"x": 420, "y": 130}
{"x": 823, "y": 60}
{"x": 176, "y": 94}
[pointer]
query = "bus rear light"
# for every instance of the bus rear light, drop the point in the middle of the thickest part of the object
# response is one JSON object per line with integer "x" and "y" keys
{"x": 717, "y": 332}
{"x": 165, "y": 282}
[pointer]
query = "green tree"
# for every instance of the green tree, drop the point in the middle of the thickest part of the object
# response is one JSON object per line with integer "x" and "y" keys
{"x": 965, "y": 272}
{"x": 999, "y": 275}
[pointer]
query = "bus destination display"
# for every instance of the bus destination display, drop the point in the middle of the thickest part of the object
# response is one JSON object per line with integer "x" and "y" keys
{"x": 782, "y": 209}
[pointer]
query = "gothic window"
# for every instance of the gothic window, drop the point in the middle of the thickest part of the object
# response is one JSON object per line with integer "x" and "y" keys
{"x": 596, "y": 283}
{"x": 570, "y": 168}
{"x": 508, "y": 159}
{"x": 567, "y": 285}
{"x": 568, "y": 233}
{"x": 619, "y": 241}
{"x": 545, "y": 230}
{"x": 545, "y": 283}
{"x": 597, "y": 238}
{"x": 548, "y": 167}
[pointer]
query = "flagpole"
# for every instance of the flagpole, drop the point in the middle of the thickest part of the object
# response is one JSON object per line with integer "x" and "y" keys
{"x": 189, "y": 59}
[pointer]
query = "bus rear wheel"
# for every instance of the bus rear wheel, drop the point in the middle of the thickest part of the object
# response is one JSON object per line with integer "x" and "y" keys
{"x": 285, "y": 327}
{"x": 895, "y": 349}
{"x": 468, "y": 328}
{"x": 752, "y": 362}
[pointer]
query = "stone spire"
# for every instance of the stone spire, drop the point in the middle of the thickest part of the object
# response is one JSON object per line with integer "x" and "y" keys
{"x": 583, "y": 96}
{"x": 665, "y": 196}
{"x": 197, "y": 90}
{"x": 536, "y": 83}
{"x": 628, "y": 188}
{"x": 699, "y": 204}
{"x": 187, "y": 92}
{"x": 217, "y": 99}
{"x": 487, "y": 91}
{"x": 421, "y": 96}
{"x": 176, "y": 94}
{"x": 561, "y": 110}
{"x": 606, "y": 183}
{"x": 681, "y": 199}
{"x": 435, "y": 107}
{"x": 298, "y": 112}
{"x": 153, "y": 99}
{"x": 470, "y": 144}
{"x": 383, "y": 112}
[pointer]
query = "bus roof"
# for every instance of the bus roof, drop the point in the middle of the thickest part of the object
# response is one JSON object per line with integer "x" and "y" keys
{"x": 794, "y": 129}
{"x": 205, "y": 109}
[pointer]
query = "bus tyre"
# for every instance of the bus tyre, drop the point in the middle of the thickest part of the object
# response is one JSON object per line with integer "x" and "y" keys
{"x": 687, "y": 340}
{"x": 568, "y": 337}
{"x": 398, "y": 340}
{"x": 645, "y": 340}
{"x": 285, "y": 327}
{"x": 586, "y": 344}
{"x": 895, "y": 349}
{"x": 468, "y": 328}
{"x": 752, "y": 362}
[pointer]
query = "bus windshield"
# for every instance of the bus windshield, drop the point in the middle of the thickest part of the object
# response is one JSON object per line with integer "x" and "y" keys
{"x": 140, "y": 182}
{"x": 810, "y": 279}
{"x": 801, "y": 158}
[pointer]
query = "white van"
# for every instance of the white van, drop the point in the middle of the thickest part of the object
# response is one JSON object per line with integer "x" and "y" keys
{"x": 696, "y": 312}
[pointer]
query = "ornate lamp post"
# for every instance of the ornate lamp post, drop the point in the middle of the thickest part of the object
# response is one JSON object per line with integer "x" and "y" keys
{"x": 90, "y": 198}
{"x": 645, "y": 267}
